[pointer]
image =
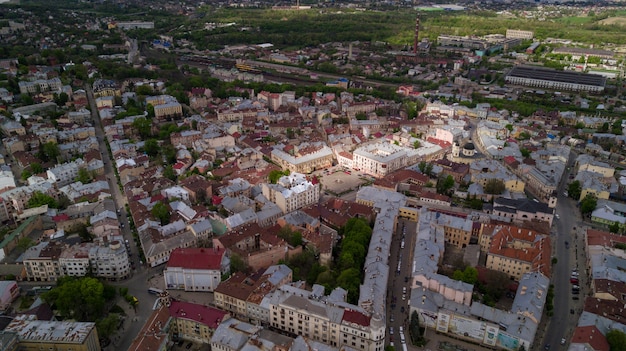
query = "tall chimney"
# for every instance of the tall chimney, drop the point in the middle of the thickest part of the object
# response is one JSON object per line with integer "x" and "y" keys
{"x": 417, "y": 32}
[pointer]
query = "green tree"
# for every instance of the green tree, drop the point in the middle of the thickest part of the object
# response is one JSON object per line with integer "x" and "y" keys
{"x": 525, "y": 152}
{"x": 350, "y": 280}
{"x": 143, "y": 126}
{"x": 469, "y": 275}
{"x": 24, "y": 243}
{"x": 616, "y": 339}
{"x": 49, "y": 151}
{"x": 494, "y": 186}
{"x": 444, "y": 184}
{"x": 237, "y": 264}
{"x": 574, "y": 190}
{"x": 275, "y": 175}
{"x": 81, "y": 299}
{"x": 36, "y": 168}
{"x": 39, "y": 199}
{"x": 144, "y": 90}
{"x": 161, "y": 212}
{"x": 108, "y": 325}
{"x": 509, "y": 127}
{"x": 417, "y": 144}
{"x": 26, "y": 173}
{"x": 169, "y": 173}
{"x": 83, "y": 176}
{"x": 588, "y": 204}
{"x": 151, "y": 147}
{"x": 361, "y": 116}
{"x": 614, "y": 227}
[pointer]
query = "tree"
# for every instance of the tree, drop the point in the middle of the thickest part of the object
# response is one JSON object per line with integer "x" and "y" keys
{"x": 574, "y": 189}
{"x": 49, "y": 151}
{"x": 108, "y": 325}
{"x": 444, "y": 184}
{"x": 360, "y": 116}
{"x": 616, "y": 339}
{"x": 237, "y": 264}
{"x": 525, "y": 152}
{"x": 24, "y": 243}
{"x": 83, "y": 176}
{"x": 588, "y": 204}
{"x": 469, "y": 275}
{"x": 275, "y": 175}
{"x": 614, "y": 227}
{"x": 39, "y": 199}
{"x": 151, "y": 147}
{"x": 36, "y": 168}
{"x": 143, "y": 126}
{"x": 169, "y": 173}
{"x": 161, "y": 212}
{"x": 494, "y": 186}
{"x": 416, "y": 144}
{"x": 81, "y": 299}
{"x": 350, "y": 280}
{"x": 26, "y": 173}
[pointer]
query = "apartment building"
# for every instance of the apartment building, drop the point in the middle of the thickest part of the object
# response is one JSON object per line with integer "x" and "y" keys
{"x": 66, "y": 173}
{"x": 519, "y": 34}
{"x": 40, "y": 86}
{"x": 304, "y": 158}
{"x": 517, "y": 251}
{"x": 326, "y": 319}
{"x": 195, "y": 322}
{"x": 186, "y": 138}
{"x": 292, "y": 192}
{"x": 104, "y": 261}
{"x": 36, "y": 334}
{"x": 520, "y": 210}
{"x": 105, "y": 87}
{"x": 42, "y": 261}
{"x": 196, "y": 269}
{"x": 159, "y": 241}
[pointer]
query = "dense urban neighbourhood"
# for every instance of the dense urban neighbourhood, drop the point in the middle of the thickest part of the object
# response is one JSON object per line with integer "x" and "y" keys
{"x": 356, "y": 176}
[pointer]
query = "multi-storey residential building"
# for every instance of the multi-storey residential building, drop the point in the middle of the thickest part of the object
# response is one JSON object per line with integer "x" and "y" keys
{"x": 110, "y": 262}
{"x": 325, "y": 319}
{"x": 159, "y": 241}
{"x": 74, "y": 260}
{"x": 195, "y": 322}
{"x": 186, "y": 137}
{"x": 231, "y": 295}
{"x": 165, "y": 106}
{"x": 292, "y": 192}
{"x": 382, "y": 158}
{"x": 34, "y": 334}
{"x": 258, "y": 247}
{"x": 66, "y": 173}
{"x": 196, "y": 269}
{"x": 40, "y": 86}
{"x": 15, "y": 200}
{"x": 458, "y": 231}
{"x": 126, "y": 25}
{"x": 304, "y": 158}
{"x": 105, "y": 87}
{"x": 482, "y": 171}
{"x": 42, "y": 261}
{"x": 586, "y": 162}
{"x": 516, "y": 251}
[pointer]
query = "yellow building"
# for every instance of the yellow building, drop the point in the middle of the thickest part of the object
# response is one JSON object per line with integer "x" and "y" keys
{"x": 36, "y": 335}
{"x": 195, "y": 322}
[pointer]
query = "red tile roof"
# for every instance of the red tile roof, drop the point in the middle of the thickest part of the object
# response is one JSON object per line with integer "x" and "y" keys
{"x": 601, "y": 238}
{"x": 209, "y": 316}
{"x": 591, "y": 336}
{"x": 196, "y": 258}
{"x": 356, "y": 317}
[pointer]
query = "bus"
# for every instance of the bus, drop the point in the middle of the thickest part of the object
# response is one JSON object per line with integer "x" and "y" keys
{"x": 155, "y": 291}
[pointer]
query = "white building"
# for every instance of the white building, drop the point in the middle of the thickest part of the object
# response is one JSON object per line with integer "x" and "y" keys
{"x": 292, "y": 192}
{"x": 382, "y": 158}
{"x": 66, "y": 173}
{"x": 196, "y": 269}
{"x": 110, "y": 262}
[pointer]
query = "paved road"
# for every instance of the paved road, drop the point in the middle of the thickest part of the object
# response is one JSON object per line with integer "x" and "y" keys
{"x": 138, "y": 284}
{"x": 396, "y": 282}
{"x": 562, "y": 322}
